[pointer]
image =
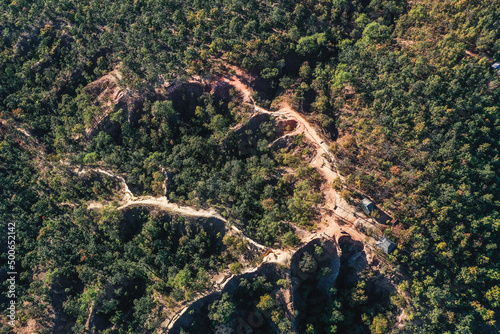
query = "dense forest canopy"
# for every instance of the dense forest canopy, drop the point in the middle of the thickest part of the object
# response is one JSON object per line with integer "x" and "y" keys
{"x": 404, "y": 89}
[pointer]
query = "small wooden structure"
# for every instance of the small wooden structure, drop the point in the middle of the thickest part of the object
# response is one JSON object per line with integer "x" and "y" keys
{"x": 496, "y": 66}
{"x": 386, "y": 245}
{"x": 367, "y": 206}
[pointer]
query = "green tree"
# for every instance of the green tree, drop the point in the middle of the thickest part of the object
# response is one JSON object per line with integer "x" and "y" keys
{"x": 308, "y": 264}
{"x": 290, "y": 239}
{"x": 379, "y": 325}
{"x": 221, "y": 311}
{"x": 311, "y": 44}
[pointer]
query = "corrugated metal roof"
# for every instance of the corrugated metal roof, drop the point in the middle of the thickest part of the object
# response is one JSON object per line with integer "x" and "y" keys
{"x": 366, "y": 201}
{"x": 386, "y": 244}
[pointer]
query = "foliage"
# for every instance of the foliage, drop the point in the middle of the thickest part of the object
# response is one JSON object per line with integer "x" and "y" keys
{"x": 222, "y": 310}
{"x": 405, "y": 87}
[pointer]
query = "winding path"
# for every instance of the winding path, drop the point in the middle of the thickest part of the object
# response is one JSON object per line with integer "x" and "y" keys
{"x": 282, "y": 257}
{"x": 334, "y": 206}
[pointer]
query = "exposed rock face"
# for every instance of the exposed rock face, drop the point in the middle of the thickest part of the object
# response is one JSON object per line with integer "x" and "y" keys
{"x": 252, "y": 124}
{"x": 106, "y": 92}
{"x": 110, "y": 95}
{"x": 333, "y": 263}
{"x": 272, "y": 274}
{"x": 352, "y": 261}
{"x": 282, "y": 142}
{"x": 221, "y": 91}
{"x": 105, "y": 86}
{"x": 186, "y": 95}
{"x": 285, "y": 125}
{"x": 344, "y": 260}
{"x": 328, "y": 257}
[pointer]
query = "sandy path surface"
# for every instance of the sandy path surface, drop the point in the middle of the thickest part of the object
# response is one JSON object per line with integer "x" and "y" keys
{"x": 282, "y": 257}
{"x": 335, "y": 207}
{"x": 333, "y": 210}
{"x": 162, "y": 202}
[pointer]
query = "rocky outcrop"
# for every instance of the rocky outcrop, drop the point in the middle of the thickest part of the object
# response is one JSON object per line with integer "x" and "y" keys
{"x": 269, "y": 270}
{"x": 284, "y": 126}
{"x": 352, "y": 261}
{"x": 111, "y": 95}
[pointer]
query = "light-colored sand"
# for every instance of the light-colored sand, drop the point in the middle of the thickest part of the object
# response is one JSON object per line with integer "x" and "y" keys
{"x": 281, "y": 257}
{"x": 334, "y": 207}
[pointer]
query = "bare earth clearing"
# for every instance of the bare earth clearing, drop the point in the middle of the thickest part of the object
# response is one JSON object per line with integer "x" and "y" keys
{"x": 334, "y": 209}
{"x": 334, "y": 206}
{"x": 337, "y": 217}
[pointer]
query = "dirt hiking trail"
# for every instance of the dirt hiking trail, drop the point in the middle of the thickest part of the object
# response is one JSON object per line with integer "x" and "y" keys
{"x": 335, "y": 207}
{"x": 337, "y": 216}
